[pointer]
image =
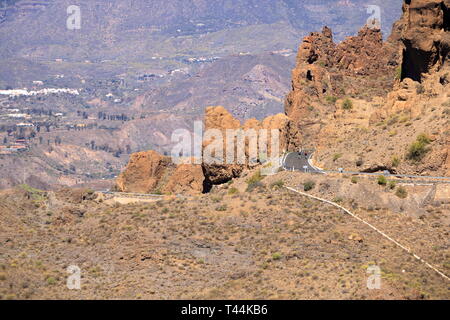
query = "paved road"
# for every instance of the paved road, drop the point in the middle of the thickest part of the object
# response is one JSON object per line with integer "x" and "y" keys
{"x": 299, "y": 161}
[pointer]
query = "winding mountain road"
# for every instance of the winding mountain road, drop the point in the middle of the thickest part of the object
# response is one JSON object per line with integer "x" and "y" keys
{"x": 300, "y": 161}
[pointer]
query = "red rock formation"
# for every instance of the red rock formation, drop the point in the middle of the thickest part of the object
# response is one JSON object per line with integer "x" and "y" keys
{"x": 407, "y": 78}
{"x": 219, "y": 118}
{"x": 326, "y": 71}
{"x": 144, "y": 172}
{"x": 187, "y": 179}
{"x": 148, "y": 172}
{"x": 425, "y": 36}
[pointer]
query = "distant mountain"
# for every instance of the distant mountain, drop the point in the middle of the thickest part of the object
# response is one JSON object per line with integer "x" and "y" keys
{"x": 126, "y": 34}
{"x": 250, "y": 85}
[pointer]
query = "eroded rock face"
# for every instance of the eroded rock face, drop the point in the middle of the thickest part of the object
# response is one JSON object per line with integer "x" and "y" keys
{"x": 219, "y": 118}
{"x": 148, "y": 172}
{"x": 425, "y": 37}
{"x": 326, "y": 71}
{"x": 144, "y": 172}
{"x": 398, "y": 89}
{"x": 186, "y": 179}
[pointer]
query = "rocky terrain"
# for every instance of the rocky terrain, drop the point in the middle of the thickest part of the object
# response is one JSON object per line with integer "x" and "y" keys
{"x": 150, "y": 172}
{"x": 244, "y": 240}
{"x": 368, "y": 104}
{"x": 174, "y": 60}
{"x": 363, "y": 103}
{"x": 400, "y": 125}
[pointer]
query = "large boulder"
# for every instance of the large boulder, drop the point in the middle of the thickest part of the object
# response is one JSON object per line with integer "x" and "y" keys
{"x": 186, "y": 179}
{"x": 144, "y": 172}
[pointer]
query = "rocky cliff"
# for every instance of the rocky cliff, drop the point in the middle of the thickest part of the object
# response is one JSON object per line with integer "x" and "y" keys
{"x": 149, "y": 172}
{"x": 360, "y": 66}
{"x": 363, "y": 103}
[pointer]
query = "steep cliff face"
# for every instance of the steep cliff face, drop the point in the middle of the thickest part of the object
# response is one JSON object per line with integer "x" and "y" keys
{"x": 362, "y": 103}
{"x": 144, "y": 172}
{"x": 425, "y": 44}
{"x": 425, "y": 37}
{"x": 326, "y": 71}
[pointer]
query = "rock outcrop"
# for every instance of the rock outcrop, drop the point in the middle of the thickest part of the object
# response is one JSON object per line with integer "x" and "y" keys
{"x": 363, "y": 102}
{"x": 149, "y": 172}
{"x": 186, "y": 179}
{"x": 326, "y": 71}
{"x": 144, "y": 172}
{"x": 424, "y": 31}
{"x": 425, "y": 37}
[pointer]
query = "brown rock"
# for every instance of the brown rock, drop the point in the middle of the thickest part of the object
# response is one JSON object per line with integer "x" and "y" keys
{"x": 325, "y": 69}
{"x": 425, "y": 37}
{"x": 144, "y": 172}
{"x": 187, "y": 179}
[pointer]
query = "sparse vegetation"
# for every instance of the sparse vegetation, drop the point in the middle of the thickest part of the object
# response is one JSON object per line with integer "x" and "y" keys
{"x": 222, "y": 208}
{"x": 401, "y": 193}
{"x": 382, "y": 181}
{"x": 254, "y": 181}
{"x": 398, "y": 73}
{"x": 256, "y": 177}
{"x": 395, "y": 161}
{"x": 277, "y": 256}
{"x": 277, "y": 184}
{"x": 419, "y": 148}
{"x": 392, "y": 185}
{"x": 309, "y": 185}
{"x": 354, "y": 180}
{"x": 330, "y": 99}
{"x": 337, "y": 156}
{"x": 347, "y": 104}
{"x": 51, "y": 281}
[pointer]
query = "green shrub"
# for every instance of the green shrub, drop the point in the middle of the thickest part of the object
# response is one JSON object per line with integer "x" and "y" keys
{"x": 398, "y": 73}
{"x": 338, "y": 199}
{"x": 347, "y": 104}
{"x": 233, "y": 190}
{"x": 165, "y": 210}
{"x": 309, "y": 185}
{"x": 418, "y": 149}
{"x": 277, "y": 256}
{"x": 253, "y": 186}
{"x": 423, "y": 138}
{"x": 222, "y": 208}
{"x": 257, "y": 177}
{"x": 330, "y": 99}
{"x": 337, "y": 156}
{"x": 392, "y": 185}
{"x": 395, "y": 161}
{"x": 354, "y": 180}
{"x": 382, "y": 181}
{"x": 277, "y": 184}
{"x": 401, "y": 193}
{"x": 51, "y": 281}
